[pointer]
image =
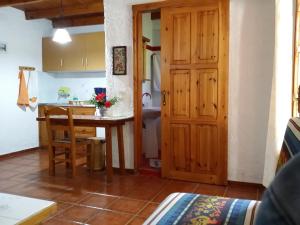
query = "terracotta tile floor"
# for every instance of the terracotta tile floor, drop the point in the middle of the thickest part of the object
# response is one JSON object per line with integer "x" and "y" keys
{"x": 89, "y": 199}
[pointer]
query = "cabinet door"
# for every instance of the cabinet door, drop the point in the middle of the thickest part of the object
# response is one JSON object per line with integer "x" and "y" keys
{"x": 95, "y": 51}
{"x": 73, "y": 54}
{"x": 52, "y": 59}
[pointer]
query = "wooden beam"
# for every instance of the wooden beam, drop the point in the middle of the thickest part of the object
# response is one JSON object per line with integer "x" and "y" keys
{"x": 74, "y": 10}
{"x": 78, "y": 21}
{"x": 17, "y": 2}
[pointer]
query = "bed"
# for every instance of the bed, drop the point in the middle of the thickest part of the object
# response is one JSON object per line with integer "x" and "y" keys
{"x": 187, "y": 208}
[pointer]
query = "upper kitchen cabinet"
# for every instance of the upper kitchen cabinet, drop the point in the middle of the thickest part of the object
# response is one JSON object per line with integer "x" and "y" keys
{"x": 52, "y": 51}
{"x": 86, "y": 52}
{"x": 73, "y": 54}
{"x": 95, "y": 51}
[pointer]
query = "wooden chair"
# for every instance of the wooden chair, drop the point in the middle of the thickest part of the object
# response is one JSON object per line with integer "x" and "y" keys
{"x": 64, "y": 148}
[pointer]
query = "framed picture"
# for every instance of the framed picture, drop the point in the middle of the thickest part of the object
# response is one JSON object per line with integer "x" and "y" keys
{"x": 119, "y": 60}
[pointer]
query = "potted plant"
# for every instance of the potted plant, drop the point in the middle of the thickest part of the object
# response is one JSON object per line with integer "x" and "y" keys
{"x": 101, "y": 103}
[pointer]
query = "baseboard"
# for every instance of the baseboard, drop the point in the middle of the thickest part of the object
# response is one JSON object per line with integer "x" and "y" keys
{"x": 18, "y": 153}
{"x": 128, "y": 171}
{"x": 245, "y": 184}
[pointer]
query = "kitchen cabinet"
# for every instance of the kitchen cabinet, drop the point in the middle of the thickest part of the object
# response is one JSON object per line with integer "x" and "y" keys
{"x": 73, "y": 54}
{"x": 83, "y": 132}
{"x": 86, "y": 52}
{"x": 52, "y": 51}
{"x": 95, "y": 51}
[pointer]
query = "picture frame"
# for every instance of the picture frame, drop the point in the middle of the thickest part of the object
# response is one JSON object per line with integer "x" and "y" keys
{"x": 119, "y": 54}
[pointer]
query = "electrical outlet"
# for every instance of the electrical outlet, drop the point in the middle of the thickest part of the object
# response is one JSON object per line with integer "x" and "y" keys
{"x": 3, "y": 47}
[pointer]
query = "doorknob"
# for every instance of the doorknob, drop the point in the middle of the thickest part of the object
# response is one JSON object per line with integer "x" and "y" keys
{"x": 164, "y": 97}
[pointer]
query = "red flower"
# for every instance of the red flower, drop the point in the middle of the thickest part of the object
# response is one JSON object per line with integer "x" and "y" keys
{"x": 108, "y": 104}
{"x": 100, "y": 97}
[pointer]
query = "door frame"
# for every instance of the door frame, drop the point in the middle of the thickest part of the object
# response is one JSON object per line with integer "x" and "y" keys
{"x": 138, "y": 55}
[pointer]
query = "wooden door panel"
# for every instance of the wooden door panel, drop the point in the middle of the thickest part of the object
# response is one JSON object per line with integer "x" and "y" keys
{"x": 205, "y": 148}
{"x": 180, "y": 147}
{"x": 181, "y": 38}
{"x": 205, "y": 36}
{"x": 180, "y": 93}
{"x": 204, "y": 94}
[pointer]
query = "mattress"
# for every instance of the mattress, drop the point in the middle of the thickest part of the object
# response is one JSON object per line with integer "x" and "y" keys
{"x": 186, "y": 208}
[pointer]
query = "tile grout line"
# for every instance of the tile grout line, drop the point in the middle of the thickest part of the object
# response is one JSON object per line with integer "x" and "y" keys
{"x": 149, "y": 202}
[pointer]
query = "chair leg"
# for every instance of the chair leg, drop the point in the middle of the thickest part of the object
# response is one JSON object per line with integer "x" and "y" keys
{"x": 51, "y": 161}
{"x": 67, "y": 156}
{"x": 73, "y": 160}
{"x": 90, "y": 158}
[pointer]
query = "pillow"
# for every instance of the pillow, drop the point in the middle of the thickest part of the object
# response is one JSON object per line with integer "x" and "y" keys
{"x": 281, "y": 201}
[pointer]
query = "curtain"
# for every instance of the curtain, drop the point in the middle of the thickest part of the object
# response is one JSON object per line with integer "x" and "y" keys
{"x": 281, "y": 95}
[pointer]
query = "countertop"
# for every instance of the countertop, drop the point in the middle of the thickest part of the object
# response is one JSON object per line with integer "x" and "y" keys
{"x": 66, "y": 105}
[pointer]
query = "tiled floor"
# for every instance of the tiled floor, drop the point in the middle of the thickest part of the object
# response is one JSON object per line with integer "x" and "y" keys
{"x": 88, "y": 199}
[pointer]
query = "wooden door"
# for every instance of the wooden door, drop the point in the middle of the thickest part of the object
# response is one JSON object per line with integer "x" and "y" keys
{"x": 73, "y": 54}
{"x": 95, "y": 51}
{"x": 194, "y": 80}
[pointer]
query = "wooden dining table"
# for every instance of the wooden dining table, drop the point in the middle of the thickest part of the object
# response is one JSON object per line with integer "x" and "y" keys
{"x": 108, "y": 123}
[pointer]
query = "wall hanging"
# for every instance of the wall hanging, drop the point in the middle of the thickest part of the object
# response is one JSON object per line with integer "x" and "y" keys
{"x": 119, "y": 60}
{"x": 3, "y": 47}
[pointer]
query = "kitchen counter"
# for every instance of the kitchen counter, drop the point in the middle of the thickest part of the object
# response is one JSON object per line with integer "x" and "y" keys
{"x": 66, "y": 105}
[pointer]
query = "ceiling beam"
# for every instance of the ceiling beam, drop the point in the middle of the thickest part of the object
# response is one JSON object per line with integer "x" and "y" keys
{"x": 74, "y": 10}
{"x": 17, "y": 2}
{"x": 78, "y": 21}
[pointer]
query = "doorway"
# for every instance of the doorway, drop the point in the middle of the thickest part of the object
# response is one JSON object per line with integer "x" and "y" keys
{"x": 194, "y": 81}
{"x": 151, "y": 95}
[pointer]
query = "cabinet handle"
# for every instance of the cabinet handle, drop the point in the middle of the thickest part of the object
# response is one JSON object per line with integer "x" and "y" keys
{"x": 164, "y": 97}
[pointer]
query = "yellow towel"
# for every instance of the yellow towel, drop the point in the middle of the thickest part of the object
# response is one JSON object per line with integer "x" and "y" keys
{"x": 23, "y": 99}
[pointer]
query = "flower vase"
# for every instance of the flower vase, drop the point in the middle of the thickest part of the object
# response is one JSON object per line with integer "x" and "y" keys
{"x": 102, "y": 112}
{"x": 97, "y": 112}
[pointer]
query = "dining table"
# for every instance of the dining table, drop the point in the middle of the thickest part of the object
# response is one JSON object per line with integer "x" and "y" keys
{"x": 108, "y": 122}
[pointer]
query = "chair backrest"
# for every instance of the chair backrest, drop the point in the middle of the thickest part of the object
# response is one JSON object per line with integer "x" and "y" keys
{"x": 291, "y": 142}
{"x": 66, "y": 127}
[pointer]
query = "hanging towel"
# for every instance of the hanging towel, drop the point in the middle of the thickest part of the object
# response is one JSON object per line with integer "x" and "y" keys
{"x": 156, "y": 72}
{"x": 32, "y": 88}
{"x": 23, "y": 99}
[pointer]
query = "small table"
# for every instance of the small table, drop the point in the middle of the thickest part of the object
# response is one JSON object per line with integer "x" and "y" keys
{"x": 107, "y": 123}
{"x": 16, "y": 209}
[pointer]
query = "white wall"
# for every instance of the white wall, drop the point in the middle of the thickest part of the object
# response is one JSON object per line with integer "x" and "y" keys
{"x": 18, "y": 128}
{"x": 252, "y": 40}
{"x": 81, "y": 85}
{"x": 250, "y": 76}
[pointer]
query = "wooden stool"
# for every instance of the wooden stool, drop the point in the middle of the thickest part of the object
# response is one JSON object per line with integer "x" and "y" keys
{"x": 96, "y": 158}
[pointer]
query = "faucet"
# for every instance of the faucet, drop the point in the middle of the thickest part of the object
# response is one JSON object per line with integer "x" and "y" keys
{"x": 146, "y": 94}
